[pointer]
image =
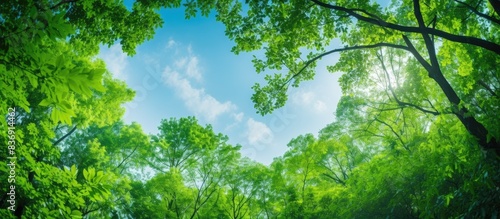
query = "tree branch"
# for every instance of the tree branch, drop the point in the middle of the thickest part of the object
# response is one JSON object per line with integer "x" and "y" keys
{"x": 131, "y": 153}
{"x": 429, "y": 44}
{"x": 65, "y": 136}
{"x": 61, "y": 3}
{"x": 393, "y": 131}
{"x": 399, "y": 102}
{"x": 367, "y": 131}
{"x": 308, "y": 63}
{"x": 417, "y": 55}
{"x": 478, "y": 13}
{"x": 471, "y": 124}
{"x": 335, "y": 179}
{"x": 496, "y": 6}
{"x": 408, "y": 29}
{"x": 488, "y": 88}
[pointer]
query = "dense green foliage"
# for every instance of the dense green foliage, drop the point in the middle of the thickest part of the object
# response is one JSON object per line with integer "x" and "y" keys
{"x": 415, "y": 134}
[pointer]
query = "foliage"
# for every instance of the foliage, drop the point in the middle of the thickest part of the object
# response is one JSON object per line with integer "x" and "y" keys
{"x": 437, "y": 39}
{"x": 414, "y": 135}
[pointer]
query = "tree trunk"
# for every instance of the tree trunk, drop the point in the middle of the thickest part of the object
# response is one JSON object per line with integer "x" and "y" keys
{"x": 474, "y": 127}
{"x": 496, "y": 6}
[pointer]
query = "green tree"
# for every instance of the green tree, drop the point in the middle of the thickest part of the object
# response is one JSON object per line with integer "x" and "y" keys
{"x": 116, "y": 151}
{"x": 420, "y": 89}
{"x": 163, "y": 196}
{"x": 180, "y": 144}
{"x": 201, "y": 157}
{"x": 245, "y": 183}
{"x": 46, "y": 45}
{"x": 48, "y": 111}
{"x": 429, "y": 33}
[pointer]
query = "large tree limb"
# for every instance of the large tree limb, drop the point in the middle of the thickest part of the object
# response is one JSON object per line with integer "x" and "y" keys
{"x": 429, "y": 44}
{"x": 478, "y": 13}
{"x": 496, "y": 6}
{"x": 417, "y": 55}
{"x": 471, "y": 124}
{"x": 408, "y": 29}
{"x": 311, "y": 61}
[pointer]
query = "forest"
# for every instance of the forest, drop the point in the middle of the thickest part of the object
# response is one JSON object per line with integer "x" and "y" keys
{"x": 415, "y": 135}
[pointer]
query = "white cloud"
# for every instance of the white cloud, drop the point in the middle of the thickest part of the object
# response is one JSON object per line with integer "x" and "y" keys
{"x": 116, "y": 61}
{"x": 319, "y": 106}
{"x": 258, "y": 132}
{"x": 180, "y": 63}
{"x": 180, "y": 77}
{"x": 189, "y": 65}
{"x": 238, "y": 116}
{"x": 196, "y": 100}
{"x": 308, "y": 99}
{"x": 192, "y": 69}
{"x": 171, "y": 43}
{"x": 303, "y": 98}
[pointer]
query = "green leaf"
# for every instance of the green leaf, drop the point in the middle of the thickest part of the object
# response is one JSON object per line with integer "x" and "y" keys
{"x": 45, "y": 102}
{"x": 76, "y": 214}
{"x": 86, "y": 175}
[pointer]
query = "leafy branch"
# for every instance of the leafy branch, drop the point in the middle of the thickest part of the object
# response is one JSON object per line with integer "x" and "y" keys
{"x": 409, "y": 29}
{"x": 478, "y": 13}
{"x": 391, "y": 89}
{"x": 65, "y": 136}
{"x": 393, "y": 131}
{"x": 311, "y": 61}
{"x": 62, "y": 3}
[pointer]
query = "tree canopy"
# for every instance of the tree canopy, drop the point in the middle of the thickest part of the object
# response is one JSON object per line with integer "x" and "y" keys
{"x": 451, "y": 46}
{"x": 415, "y": 134}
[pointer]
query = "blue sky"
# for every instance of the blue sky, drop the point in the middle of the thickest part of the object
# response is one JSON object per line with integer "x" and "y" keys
{"x": 188, "y": 70}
